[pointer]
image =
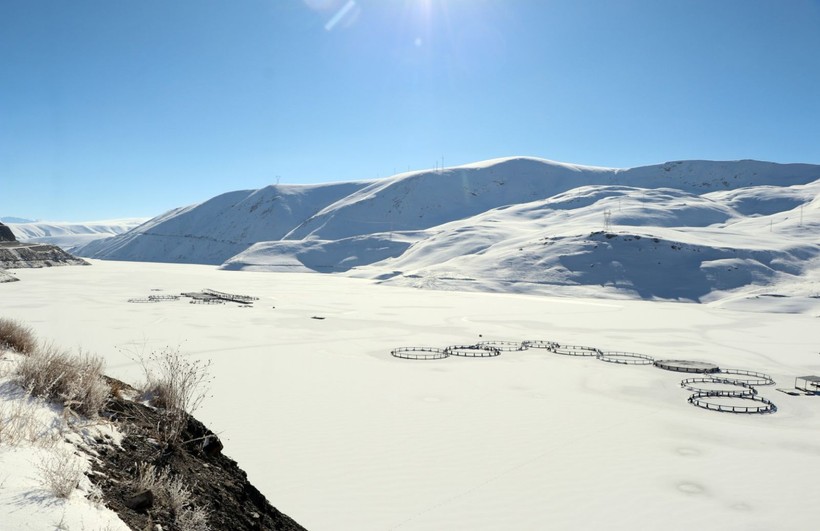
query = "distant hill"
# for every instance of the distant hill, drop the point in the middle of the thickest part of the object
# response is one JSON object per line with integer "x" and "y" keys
{"x": 17, "y": 255}
{"x": 680, "y": 230}
{"x": 69, "y": 234}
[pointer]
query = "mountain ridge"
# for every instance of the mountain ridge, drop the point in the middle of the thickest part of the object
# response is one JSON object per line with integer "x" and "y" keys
{"x": 419, "y": 224}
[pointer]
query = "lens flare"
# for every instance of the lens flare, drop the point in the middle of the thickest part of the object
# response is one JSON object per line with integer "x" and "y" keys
{"x": 348, "y": 9}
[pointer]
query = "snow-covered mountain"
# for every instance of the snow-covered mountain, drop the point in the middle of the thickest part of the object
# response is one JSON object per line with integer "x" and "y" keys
{"x": 213, "y": 231}
{"x": 69, "y": 234}
{"x": 681, "y": 230}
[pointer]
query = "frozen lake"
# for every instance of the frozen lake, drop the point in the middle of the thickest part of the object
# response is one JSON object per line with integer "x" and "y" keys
{"x": 340, "y": 435}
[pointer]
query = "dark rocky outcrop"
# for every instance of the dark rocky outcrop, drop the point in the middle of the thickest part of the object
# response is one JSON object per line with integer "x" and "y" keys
{"x": 6, "y": 235}
{"x": 216, "y": 482}
{"x": 16, "y": 255}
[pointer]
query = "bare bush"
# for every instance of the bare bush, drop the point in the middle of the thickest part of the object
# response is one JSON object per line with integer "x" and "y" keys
{"x": 176, "y": 382}
{"x": 171, "y": 494}
{"x": 177, "y": 385}
{"x": 19, "y": 423}
{"x": 74, "y": 380}
{"x": 16, "y": 336}
{"x": 193, "y": 519}
{"x": 61, "y": 473}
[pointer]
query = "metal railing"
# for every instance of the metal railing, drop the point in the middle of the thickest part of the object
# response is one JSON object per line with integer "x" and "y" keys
{"x": 626, "y": 358}
{"x": 745, "y": 389}
{"x": 419, "y": 353}
{"x": 472, "y": 351}
{"x": 755, "y": 378}
{"x": 574, "y": 350}
{"x": 701, "y": 400}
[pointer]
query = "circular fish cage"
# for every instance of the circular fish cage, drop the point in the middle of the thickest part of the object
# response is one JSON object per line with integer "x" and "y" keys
{"x": 747, "y": 377}
{"x": 702, "y": 367}
{"x": 711, "y": 400}
{"x": 701, "y": 385}
{"x": 472, "y": 351}
{"x": 626, "y": 358}
{"x": 163, "y": 297}
{"x": 504, "y": 346}
{"x": 538, "y": 343}
{"x": 574, "y": 350}
{"x": 419, "y": 353}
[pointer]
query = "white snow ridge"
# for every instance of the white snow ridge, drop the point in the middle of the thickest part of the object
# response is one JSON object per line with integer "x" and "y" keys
{"x": 68, "y": 234}
{"x": 687, "y": 230}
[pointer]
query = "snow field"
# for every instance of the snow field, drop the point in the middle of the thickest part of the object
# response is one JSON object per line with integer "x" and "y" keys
{"x": 39, "y": 456}
{"x": 339, "y": 434}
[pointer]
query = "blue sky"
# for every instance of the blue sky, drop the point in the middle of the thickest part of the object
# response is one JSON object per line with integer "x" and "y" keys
{"x": 129, "y": 108}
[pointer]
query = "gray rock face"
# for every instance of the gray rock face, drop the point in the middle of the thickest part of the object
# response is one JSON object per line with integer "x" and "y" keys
{"x": 6, "y": 235}
{"x": 15, "y": 255}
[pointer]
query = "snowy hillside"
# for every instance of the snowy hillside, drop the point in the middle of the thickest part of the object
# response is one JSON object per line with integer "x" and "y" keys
{"x": 682, "y": 230}
{"x": 213, "y": 231}
{"x": 67, "y": 234}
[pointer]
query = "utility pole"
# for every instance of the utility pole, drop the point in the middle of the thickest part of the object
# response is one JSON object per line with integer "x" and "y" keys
{"x": 607, "y": 220}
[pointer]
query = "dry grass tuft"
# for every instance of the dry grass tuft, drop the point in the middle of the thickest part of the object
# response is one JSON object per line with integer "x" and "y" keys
{"x": 177, "y": 385}
{"x": 74, "y": 380}
{"x": 20, "y": 424}
{"x": 60, "y": 474}
{"x": 193, "y": 519}
{"x": 16, "y": 336}
{"x": 171, "y": 494}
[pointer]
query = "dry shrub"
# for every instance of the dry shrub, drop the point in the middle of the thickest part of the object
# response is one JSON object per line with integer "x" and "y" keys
{"x": 61, "y": 473}
{"x": 177, "y": 385}
{"x": 171, "y": 494}
{"x": 175, "y": 382}
{"x": 193, "y": 519}
{"x": 74, "y": 380}
{"x": 16, "y": 336}
{"x": 20, "y": 424}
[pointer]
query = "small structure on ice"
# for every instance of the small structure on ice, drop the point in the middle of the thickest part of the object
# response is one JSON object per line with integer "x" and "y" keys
{"x": 810, "y": 384}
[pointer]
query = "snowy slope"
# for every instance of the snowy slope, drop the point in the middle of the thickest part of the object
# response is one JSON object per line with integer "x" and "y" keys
{"x": 67, "y": 234}
{"x": 683, "y": 229}
{"x": 661, "y": 244}
{"x": 37, "y": 449}
{"x": 213, "y": 231}
{"x": 425, "y": 199}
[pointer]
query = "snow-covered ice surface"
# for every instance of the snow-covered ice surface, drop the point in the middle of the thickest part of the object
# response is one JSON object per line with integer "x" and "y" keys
{"x": 340, "y": 435}
{"x": 36, "y": 444}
